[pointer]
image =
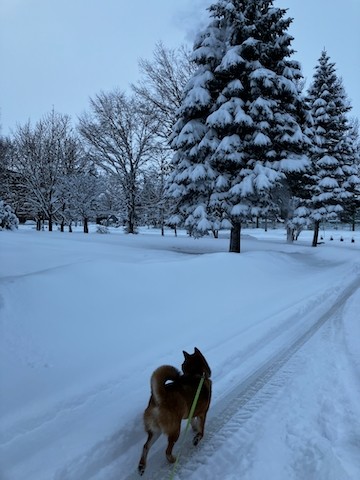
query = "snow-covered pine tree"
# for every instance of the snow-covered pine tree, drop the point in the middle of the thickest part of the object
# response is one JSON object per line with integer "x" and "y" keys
{"x": 334, "y": 174}
{"x": 351, "y": 212}
{"x": 8, "y": 219}
{"x": 238, "y": 133}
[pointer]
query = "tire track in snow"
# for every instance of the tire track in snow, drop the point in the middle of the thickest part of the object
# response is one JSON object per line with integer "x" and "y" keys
{"x": 112, "y": 458}
{"x": 26, "y": 426}
{"x": 240, "y": 405}
{"x": 12, "y": 278}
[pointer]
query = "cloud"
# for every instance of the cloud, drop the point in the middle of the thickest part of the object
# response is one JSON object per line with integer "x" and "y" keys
{"x": 193, "y": 17}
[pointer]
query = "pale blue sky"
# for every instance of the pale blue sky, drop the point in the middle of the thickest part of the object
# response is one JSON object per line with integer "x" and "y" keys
{"x": 58, "y": 53}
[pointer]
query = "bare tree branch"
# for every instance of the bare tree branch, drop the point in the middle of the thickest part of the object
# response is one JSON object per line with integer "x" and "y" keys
{"x": 122, "y": 139}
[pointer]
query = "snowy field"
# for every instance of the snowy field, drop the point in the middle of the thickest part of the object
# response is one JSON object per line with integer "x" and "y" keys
{"x": 85, "y": 319}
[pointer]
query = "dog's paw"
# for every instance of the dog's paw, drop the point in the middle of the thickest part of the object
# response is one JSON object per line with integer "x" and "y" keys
{"x": 171, "y": 458}
{"x": 197, "y": 439}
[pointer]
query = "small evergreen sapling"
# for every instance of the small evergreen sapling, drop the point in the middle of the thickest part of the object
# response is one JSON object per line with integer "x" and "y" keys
{"x": 8, "y": 220}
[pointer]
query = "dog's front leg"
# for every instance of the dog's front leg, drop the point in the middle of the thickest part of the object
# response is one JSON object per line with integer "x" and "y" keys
{"x": 152, "y": 437}
{"x": 200, "y": 426}
{"x": 195, "y": 424}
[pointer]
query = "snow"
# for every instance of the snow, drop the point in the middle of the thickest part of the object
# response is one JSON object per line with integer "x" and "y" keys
{"x": 209, "y": 142}
{"x": 241, "y": 209}
{"x": 295, "y": 163}
{"x": 235, "y": 86}
{"x": 265, "y": 177}
{"x": 327, "y": 161}
{"x": 200, "y": 211}
{"x": 202, "y": 77}
{"x": 8, "y": 219}
{"x": 260, "y": 139}
{"x": 231, "y": 59}
{"x": 262, "y": 105}
{"x": 288, "y": 85}
{"x": 191, "y": 133}
{"x": 242, "y": 118}
{"x": 198, "y": 173}
{"x": 266, "y": 76}
{"x": 220, "y": 118}
{"x": 328, "y": 182}
{"x": 229, "y": 143}
{"x": 222, "y": 182}
{"x": 197, "y": 97}
{"x": 85, "y": 319}
{"x": 244, "y": 188}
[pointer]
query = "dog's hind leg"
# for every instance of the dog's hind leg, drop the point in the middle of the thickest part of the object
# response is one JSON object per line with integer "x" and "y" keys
{"x": 152, "y": 437}
{"x": 172, "y": 439}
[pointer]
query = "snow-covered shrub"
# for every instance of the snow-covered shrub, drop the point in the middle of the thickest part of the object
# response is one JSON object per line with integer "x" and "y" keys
{"x": 102, "y": 229}
{"x": 8, "y": 220}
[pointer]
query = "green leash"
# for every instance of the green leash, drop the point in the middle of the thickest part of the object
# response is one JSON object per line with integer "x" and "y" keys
{"x": 191, "y": 414}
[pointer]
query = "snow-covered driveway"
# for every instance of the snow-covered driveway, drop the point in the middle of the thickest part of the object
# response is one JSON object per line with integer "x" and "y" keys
{"x": 296, "y": 416}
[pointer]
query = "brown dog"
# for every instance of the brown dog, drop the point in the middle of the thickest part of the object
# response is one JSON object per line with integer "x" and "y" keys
{"x": 172, "y": 395}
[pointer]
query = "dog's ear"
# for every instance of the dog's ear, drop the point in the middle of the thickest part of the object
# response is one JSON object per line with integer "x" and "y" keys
{"x": 186, "y": 355}
{"x": 202, "y": 358}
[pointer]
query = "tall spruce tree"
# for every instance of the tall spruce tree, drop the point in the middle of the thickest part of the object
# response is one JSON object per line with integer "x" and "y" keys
{"x": 334, "y": 172}
{"x": 239, "y": 128}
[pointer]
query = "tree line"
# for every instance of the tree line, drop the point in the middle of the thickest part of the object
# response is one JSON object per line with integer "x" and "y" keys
{"x": 114, "y": 164}
{"x": 207, "y": 139}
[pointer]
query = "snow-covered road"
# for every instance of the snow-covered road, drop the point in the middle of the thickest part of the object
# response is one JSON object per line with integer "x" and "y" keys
{"x": 296, "y": 408}
{"x": 85, "y": 320}
{"x": 237, "y": 419}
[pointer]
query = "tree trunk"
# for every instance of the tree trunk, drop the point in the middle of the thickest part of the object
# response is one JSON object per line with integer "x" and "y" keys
{"x": 50, "y": 223}
{"x": 86, "y": 225}
{"x": 316, "y": 233}
{"x": 131, "y": 215}
{"x": 131, "y": 224}
{"x": 289, "y": 235}
{"x": 131, "y": 204}
{"x": 235, "y": 238}
{"x": 353, "y": 220}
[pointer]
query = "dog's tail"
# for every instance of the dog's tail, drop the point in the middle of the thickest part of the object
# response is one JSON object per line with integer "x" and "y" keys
{"x": 166, "y": 373}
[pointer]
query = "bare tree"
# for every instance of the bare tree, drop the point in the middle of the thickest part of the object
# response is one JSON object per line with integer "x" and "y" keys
{"x": 121, "y": 136}
{"x": 77, "y": 168}
{"x": 163, "y": 79}
{"x": 153, "y": 201}
{"x": 84, "y": 190}
{"x": 111, "y": 201}
{"x": 162, "y": 83}
{"x": 5, "y": 169}
{"x": 42, "y": 156}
